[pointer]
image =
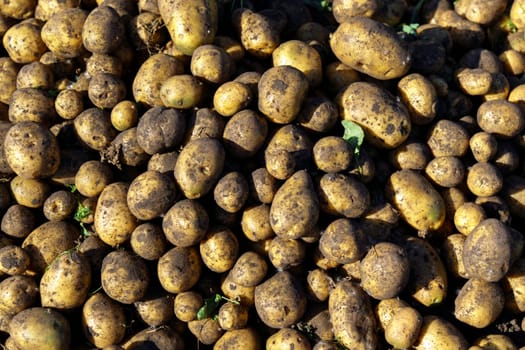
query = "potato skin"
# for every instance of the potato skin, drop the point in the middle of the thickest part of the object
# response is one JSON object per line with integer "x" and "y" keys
{"x": 343, "y": 195}
{"x": 62, "y": 33}
{"x": 245, "y": 338}
{"x": 502, "y": 118}
{"x": 219, "y": 249}
{"x": 343, "y": 241}
{"x": 479, "y": 303}
{"x": 437, "y": 333}
{"x": 150, "y": 195}
{"x": 182, "y": 91}
{"x": 302, "y": 56}
{"x": 103, "y": 320}
{"x": 361, "y": 43}
{"x": 288, "y": 337}
{"x": 245, "y": 133}
{"x": 23, "y": 42}
{"x": 102, "y": 31}
{"x": 185, "y": 223}
{"x": 384, "y": 120}
{"x": 420, "y": 97}
{"x": 179, "y": 269}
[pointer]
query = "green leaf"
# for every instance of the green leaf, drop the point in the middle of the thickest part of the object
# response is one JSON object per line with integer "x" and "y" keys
{"x": 209, "y": 307}
{"x": 354, "y": 135}
{"x": 72, "y": 188}
{"x": 82, "y": 212}
{"x": 410, "y": 29}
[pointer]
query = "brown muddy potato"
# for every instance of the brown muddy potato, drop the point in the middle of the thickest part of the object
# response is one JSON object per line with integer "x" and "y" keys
{"x": 148, "y": 241}
{"x": 163, "y": 162}
{"x": 245, "y": 133}
{"x": 446, "y": 171}
{"x": 219, "y": 249}
{"x": 146, "y": 31}
{"x": 286, "y": 253}
{"x": 255, "y": 223}
{"x": 420, "y": 97}
{"x": 18, "y": 221}
{"x": 31, "y": 193}
{"x": 318, "y": 113}
{"x": 204, "y": 122}
{"x": 13, "y": 260}
{"x": 106, "y": 90}
{"x": 62, "y": 32}
{"x": 232, "y": 316}
{"x": 60, "y": 205}
{"x": 125, "y": 150}
{"x": 479, "y": 303}
{"x": 150, "y": 195}
{"x": 31, "y": 105}
{"x": 319, "y": 284}
{"x": 332, "y": 154}
{"x": 207, "y": 330}
{"x": 155, "y": 310}
{"x": 179, "y": 269}
{"x": 102, "y": 32}
{"x": 249, "y": 269}
{"x": 501, "y": 118}
{"x": 343, "y": 195}
{"x": 69, "y": 103}
{"x": 17, "y": 293}
{"x": 35, "y": 75}
{"x": 103, "y": 320}
{"x": 186, "y": 305}
{"x": 484, "y": 179}
{"x": 263, "y": 185}
{"x": 232, "y": 97}
{"x": 448, "y": 138}
{"x": 483, "y": 146}
{"x": 93, "y": 128}
{"x": 288, "y": 338}
{"x": 343, "y": 241}
{"x": 104, "y": 63}
{"x": 211, "y": 63}
{"x": 231, "y": 192}
{"x": 23, "y": 41}
{"x": 185, "y": 223}
{"x": 92, "y": 177}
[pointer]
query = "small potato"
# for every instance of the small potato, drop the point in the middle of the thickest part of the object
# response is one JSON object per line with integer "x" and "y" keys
{"x": 155, "y": 310}
{"x": 318, "y": 113}
{"x": 60, "y": 205}
{"x": 452, "y": 254}
{"x": 479, "y": 303}
{"x": 31, "y": 193}
{"x": 360, "y": 43}
{"x": 286, "y": 253}
{"x": 162, "y": 338}
{"x": 124, "y": 277}
{"x": 124, "y": 150}
{"x": 102, "y": 31}
{"x": 420, "y": 97}
{"x": 479, "y": 12}
{"x": 446, "y": 171}
{"x": 284, "y": 89}
{"x": 232, "y": 97}
{"x": 332, "y": 154}
{"x": 385, "y": 120}
{"x": 343, "y": 241}
{"x": 219, "y": 249}
{"x": 185, "y": 223}
{"x": 379, "y": 221}
{"x": 124, "y": 115}
{"x": 31, "y": 150}
{"x": 403, "y": 331}
{"x": 92, "y": 177}
{"x": 150, "y": 195}
{"x": 288, "y": 338}
{"x": 474, "y": 81}
{"x": 343, "y": 195}
{"x": 103, "y": 320}
{"x": 163, "y": 162}
{"x": 483, "y": 146}
{"x": 31, "y": 105}
{"x": 384, "y": 270}
{"x": 448, "y": 138}
{"x": 62, "y": 33}
{"x": 147, "y": 31}
{"x": 249, "y": 269}
{"x": 181, "y": 91}
{"x": 18, "y": 221}
{"x": 211, "y": 63}
{"x": 302, "y": 56}
{"x": 231, "y": 192}
{"x": 148, "y": 241}
{"x": 69, "y": 103}
{"x": 94, "y": 129}
{"x": 23, "y": 41}
{"x": 232, "y": 316}
{"x": 468, "y": 216}
{"x": 339, "y": 76}
{"x": 295, "y": 208}
{"x": 35, "y": 75}
{"x": 255, "y": 223}
{"x": 179, "y": 269}
{"x": 501, "y": 118}
{"x": 386, "y": 309}
{"x": 288, "y": 308}
{"x": 186, "y": 305}
{"x": 484, "y": 179}
{"x": 146, "y": 84}
{"x": 245, "y": 133}
{"x": 319, "y": 284}
{"x": 437, "y": 333}
{"x": 106, "y": 90}
{"x": 245, "y": 338}
{"x": 263, "y": 185}
{"x": 495, "y": 341}
{"x": 13, "y": 260}
{"x": 412, "y": 154}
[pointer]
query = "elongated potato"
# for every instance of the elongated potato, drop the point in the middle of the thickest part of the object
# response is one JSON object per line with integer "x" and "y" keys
{"x": 103, "y": 320}
{"x": 479, "y": 303}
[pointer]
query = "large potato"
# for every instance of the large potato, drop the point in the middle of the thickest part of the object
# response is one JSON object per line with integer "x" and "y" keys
{"x": 437, "y": 333}
{"x": 102, "y": 32}
{"x": 371, "y": 47}
{"x": 150, "y": 195}
{"x": 23, "y": 42}
{"x": 179, "y": 269}
{"x": 62, "y": 33}
{"x": 103, "y": 320}
{"x": 384, "y": 119}
{"x": 479, "y": 303}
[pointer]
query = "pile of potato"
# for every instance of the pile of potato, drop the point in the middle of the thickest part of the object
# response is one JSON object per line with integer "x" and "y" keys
{"x": 225, "y": 174}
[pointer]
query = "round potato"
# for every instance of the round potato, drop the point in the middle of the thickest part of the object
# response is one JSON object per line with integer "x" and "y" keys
{"x": 479, "y": 303}
{"x": 355, "y": 198}
{"x": 8, "y": 73}
{"x": 104, "y": 63}
{"x": 17, "y": 293}
{"x": 318, "y": 113}
{"x": 232, "y": 97}
{"x": 332, "y": 154}
{"x": 124, "y": 115}
{"x": 484, "y": 179}
{"x": 13, "y": 260}
{"x": 255, "y": 223}
{"x": 31, "y": 193}
{"x": 103, "y": 320}
{"x": 18, "y": 221}
{"x": 452, "y": 254}
{"x": 288, "y": 338}
{"x": 448, "y": 138}
{"x": 35, "y": 75}
{"x": 446, "y": 171}
{"x": 31, "y": 105}
{"x": 150, "y": 195}
{"x": 231, "y": 192}
{"x": 23, "y": 41}
{"x": 211, "y": 63}
{"x": 106, "y": 90}
{"x": 181, "y": 91}
{"x": 69, "y": 103}
{"x": 245, "y": 338}
{"x": 502, "y": 118}
{"x": 179, "y": 269}
{"x": 102, "y": 32}
{"x": 302, "y": 56}
{"x": 62, "y": 33}
{"x": 94, "y": 129}
{"x": 148, "y": 241}
{"x": 186, "y": 305}
{"x": 92, "y": 177}
{"x": 232, "y": 316}
{"x": 185, "y": 223}
{"x": 343, "y": 241}
{"x": 155, "y": 310}
{"x": 483, "y": 146}
{"x": 245, "y": 133}
{"x": 263, "y": 185}
{"x": 60, "y": 205}
{"x": 286, "y": 253}
{"x": 437, "y": 333}
{"x": 219, "y": 249}
{"x": 403, "y": 330}
{"x": 468, "y": 216}
{"x": 412, "y": 154}
{"x": 249, "y": 269}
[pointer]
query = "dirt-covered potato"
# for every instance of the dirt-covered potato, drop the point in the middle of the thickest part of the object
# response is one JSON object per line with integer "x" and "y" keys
{"x": 332, "y": 154}
{"x": 179, "y": 269}
{"x": 318, "y": 113}
{"x": 60, "y": 205}
{"x": 40, "y": 328}
{"x": 211, "y": 63}
{"x": 284, "y": 310}
{"x": 17, "y": 293}
{"x": 403, "y": 330}
{"x": 420, "y": 97}
{"x": 155, "y": 310}
{"x": 479, "y": 12}
{"x": 147, "y": 32}
{"x": 114, "y": 221}
{"x": 286, "y": 253}
{"x": 437, "y": 333}
{"x": 385, "y": 120}
{"x": 514, "y": 285}
{"x": 102, "y": 32}
{"x": 199, "y": 166}
{"x": 448, "y": 138}
{"x": 162, "y": 338}
{"x": 249, "y": 269}
{"x": 31, "y": 104}
{"x": 206, "y": 330}
{"x": 148, "y": 241}
{"x": 263, "y": 185}
{"x": 69, "y": 103}
{"x": 219, "y": 249}
{"x": 245, "y": 133}
{"x": 181, "y": 91}
{"x": 483, "y": 146}
{"x": 360, "y": 43}
{"x": 187, "y": 304}
{"x": 479, "y": 303}
{"x": 18, "y": 9}
{"x": 92, "y": 177}
{"x": 474, "y": 81}
{"x": 13, "y": 260}
{"x": 232, "y": 97}
{"x": 18, "y": 221}
{"x": 150, "y": 195}
{"x": 93, "y": 128}
{"x": 452, "y": 254}
{"x": 231, "y": 192}
{"x": 446, "y": 171}
{"x": 31, "y": 150}
{"x": 412, "y": 154}
{"x": 8, "y": 73}
{"x": 343, "y": 195}
{"x": 106, "y": 90}
{"x": 255, "y": 223}
{"x": 343, "y": 241}
{"x": 23, "y": 41}
{"x": 146, "y": 83}
{"x": 502, "y": 118}
{"x": 125, "y": 150}
{"x": 125, "y": 277}
{"x": 204, "y": 122}
{"x": 384, "y": 270}
{"x": 288, "y": 338}
{"x": 103, "y": 320}
{"x": 484, "y": 179}
{"x": 185, "y": 223}
{"x": 244, "y": 338}
{"x": 232, "y": 315}
{"x": 301, "y": 56}
{"x": 281, "y": 91}
{"x": 35, "y": 75}
{"x": 62, "y": 32}
{"x": 31, "y": 193}
{"x": 104, "y": 63}
{"x": 495, "y": 341}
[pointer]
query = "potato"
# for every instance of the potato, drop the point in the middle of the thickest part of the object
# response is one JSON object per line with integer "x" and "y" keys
{"x": 35, "y": 75}
{"x": 69, "y": 103}
{"x": 231, "y": 45}
{"x": 452, "y": 255}
{"x": 207, "y": 330}
{"x": 204, "y": 122}
{"x": 148, "y": 241}
{"x": 232, "y": 97}
{"x": 288, "y": 150}
{"x": 412, "y": 154}
{"x": 219, "y": 249}
{"x": 301, "y": 56}
{"x": 34, "y": 156}
{"x": 332, "y": 154}
{"x": 18, "y": 221}
{"x": 163, "y": 162}
{"x": 501, "y": 118}
{"x": 124, "y": 150}
{"x": 47, "y": 241}
{"x": 162, "y": 338}
{"x": 31, "y": 105}
{"x": 94, "y": 129}
{"x": 18, "y": 9}
{"x": 17, "y": 293}
{"x": 483, "y": 146}
{"x": 343, "y": 195}
{"x": 474, "y": 81}
{"x": 484, "y": 179}
{"x": 352, "y": 318}
{"x": 285, "y": 310}
{"x": 284, "y": 88}
{"x": 185, "y": 223}
{"x": 156, "y": 309}
{"x": 495, "y": 341}
{"x": 199, "y": 166}
{"x": 479, "y": 12}
{"x": 232, "y": 316}
{"x": 211, "y": 63}
{"x": 428, "y": 280}
{"x": 147, "y": 32}
{"x": 418, "y": 202}
{"x": 513, "y": 285}
{"x": 179, "y": 269}
{"x": 437, "y": 333}
{"x": 13, "y": 260}
{"x": 318, "y": 113}
{"x": 448, "y": 138}
{"x": 103, "y": 320}
{"x": 31, "y": 193}
{"x": 60, "y": 205}
{"x": 249, "y": 269}
{"x": 286, "y": 253}
{"x": 386, "y": 309}
{"x": 468, "y": 216}
{"x": 40, "y": 328}
{"x": 288, "y": 338}
{"x": 339, "y": 76}
{"x": 488, "y": 251}
{"x": 263, "y": 185}
{"x": 106, "y": 90}
{"x": 66, "y": 282}
{"x": 92, "y": 177}
{"x": 8, "y": 73}
{"x": 104, "y": 63}
{"x": 446, "y": 171}
{"x": 343, "y": 241}
{"x": 62, "y": 32}
{"x": 384, "y": 270}
{"x": 420, "y": 97}
{"x": 255, "y": 223}
{"x": 360, "y": 43}
{"x": 231, "y": 192}
{"x": 295, "y": 208}
{"x": 479, "y": 303}
{"x": 146, "y": 84}
{"x": 190, "y": 24}
{"x": 245, "y": 133}
{"x": 245, "y": 338}
{"x": 150, "y": 195}
{"x": 124, "y": 115}
{"x": 102, "y": 31}
{"x": 124, "y": 277}
{"x": 404, "y": 328}
{"x": 187, "y": 304}
{"x": 390, "y": 125}
{"x": 23, "y": 41}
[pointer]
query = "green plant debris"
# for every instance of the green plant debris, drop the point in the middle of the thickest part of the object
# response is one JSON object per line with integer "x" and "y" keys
{"x": 354, "y": 135}
{"x": 321, "y": 5}
{"x": 211, "y": 304}
{"x": 410, "y": 29}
